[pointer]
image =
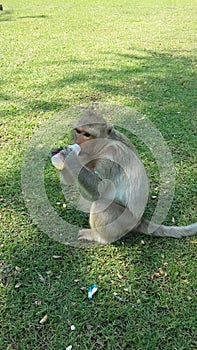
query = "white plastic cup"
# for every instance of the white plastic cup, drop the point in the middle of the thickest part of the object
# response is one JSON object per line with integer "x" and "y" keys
{"x": 57, "y": 160}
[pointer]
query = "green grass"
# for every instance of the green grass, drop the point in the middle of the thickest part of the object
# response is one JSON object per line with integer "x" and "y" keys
{"x": 58, "y": 54}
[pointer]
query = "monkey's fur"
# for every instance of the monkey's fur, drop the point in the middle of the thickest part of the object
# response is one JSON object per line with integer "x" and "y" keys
{"x": 111, "y": 175}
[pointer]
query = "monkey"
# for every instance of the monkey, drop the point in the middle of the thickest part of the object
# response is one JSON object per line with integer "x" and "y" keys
{"x": 113, "y": 179}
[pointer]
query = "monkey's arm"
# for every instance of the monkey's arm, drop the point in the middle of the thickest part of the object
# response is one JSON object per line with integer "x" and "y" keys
{"x": 86, "y": 178}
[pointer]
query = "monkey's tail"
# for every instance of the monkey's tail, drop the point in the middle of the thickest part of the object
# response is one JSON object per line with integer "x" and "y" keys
{"x": 152, "y": 229}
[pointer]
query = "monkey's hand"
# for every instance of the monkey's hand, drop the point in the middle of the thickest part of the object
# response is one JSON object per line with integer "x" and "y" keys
{"x": 55, "y": 151}
{"x": 72, "y": 167}
{"x": 65, "y": 152}
{"x": 86, "y": 178}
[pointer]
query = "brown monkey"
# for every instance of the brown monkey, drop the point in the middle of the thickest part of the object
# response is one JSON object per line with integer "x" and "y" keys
{"x": 111, "y": 175}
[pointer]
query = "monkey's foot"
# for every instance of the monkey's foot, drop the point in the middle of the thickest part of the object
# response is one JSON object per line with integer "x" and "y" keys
{"x": 90, "y": 235}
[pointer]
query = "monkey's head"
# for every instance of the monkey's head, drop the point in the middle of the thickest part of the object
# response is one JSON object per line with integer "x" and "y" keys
{"x": 91, "y": 126}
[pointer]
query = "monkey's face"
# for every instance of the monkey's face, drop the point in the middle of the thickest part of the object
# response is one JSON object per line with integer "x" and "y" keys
{"x": 82, "y": 134}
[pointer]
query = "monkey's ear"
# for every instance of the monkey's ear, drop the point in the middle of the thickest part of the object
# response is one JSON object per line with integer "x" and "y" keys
{"x": 109, "y": 128}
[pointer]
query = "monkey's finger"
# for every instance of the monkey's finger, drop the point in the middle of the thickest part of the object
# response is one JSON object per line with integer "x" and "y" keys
{"x": 65, "y": 151}
{"x": 56, "y": 150}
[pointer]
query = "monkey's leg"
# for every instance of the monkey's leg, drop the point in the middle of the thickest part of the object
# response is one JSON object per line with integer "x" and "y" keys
{"x": 109, "y": 221}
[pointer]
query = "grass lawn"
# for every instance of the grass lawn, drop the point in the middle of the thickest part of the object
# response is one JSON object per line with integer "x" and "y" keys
{"x": 55, "y": 55}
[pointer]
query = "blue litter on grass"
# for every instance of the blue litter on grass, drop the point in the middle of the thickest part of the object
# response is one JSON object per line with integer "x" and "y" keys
{"x": 91, "y": 291}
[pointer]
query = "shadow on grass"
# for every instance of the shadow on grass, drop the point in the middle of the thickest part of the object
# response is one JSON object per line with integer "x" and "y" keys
{"x": 163, "y": 85}
{"x": 5, "y": 15}
{"x": 34, "y": 17}
{"x": 158, "y": 79}
{"x": 42, "y": 277}
{"x": 160, "y": 85}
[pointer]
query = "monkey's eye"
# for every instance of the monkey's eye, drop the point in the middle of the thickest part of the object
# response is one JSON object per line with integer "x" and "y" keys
{"x": 84, "y": 133}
